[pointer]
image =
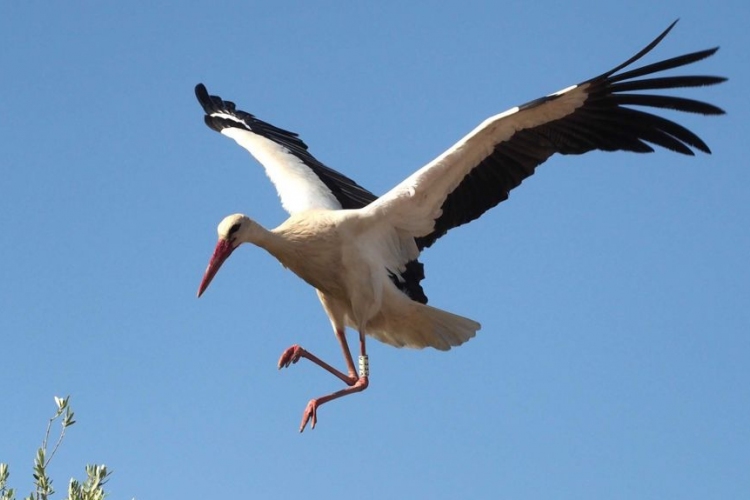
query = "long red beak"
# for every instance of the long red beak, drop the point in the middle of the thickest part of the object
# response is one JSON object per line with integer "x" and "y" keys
{"x": 222, "y": 251}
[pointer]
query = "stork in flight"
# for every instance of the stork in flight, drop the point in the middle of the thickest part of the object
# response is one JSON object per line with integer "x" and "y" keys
{"x": 360, "y": 252}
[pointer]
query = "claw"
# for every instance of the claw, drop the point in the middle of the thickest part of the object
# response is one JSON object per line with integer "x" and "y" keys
{"x": 290, "y": 356}
{"x": 310, "y": 415}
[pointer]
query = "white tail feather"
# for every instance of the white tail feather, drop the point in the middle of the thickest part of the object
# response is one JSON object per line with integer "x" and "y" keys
{"x": 405, "y": 323}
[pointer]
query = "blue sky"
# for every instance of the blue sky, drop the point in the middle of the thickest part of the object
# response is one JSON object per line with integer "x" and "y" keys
{"x": 612, "y": 288}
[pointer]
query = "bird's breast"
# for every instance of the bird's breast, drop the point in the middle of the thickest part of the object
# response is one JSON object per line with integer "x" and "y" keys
{"x": 313, "y": 251}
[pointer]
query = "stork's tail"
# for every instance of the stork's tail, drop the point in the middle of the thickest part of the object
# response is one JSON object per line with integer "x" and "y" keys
{"x": 420, "y": 326}
{"x": 448, "y": 329}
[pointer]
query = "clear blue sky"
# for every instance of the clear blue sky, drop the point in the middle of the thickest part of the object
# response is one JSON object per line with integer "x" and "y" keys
{"x": 613, "y": 289}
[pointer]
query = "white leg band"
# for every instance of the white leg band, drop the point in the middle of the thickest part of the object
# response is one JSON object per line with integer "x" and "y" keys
{"x": 364, "y": 366}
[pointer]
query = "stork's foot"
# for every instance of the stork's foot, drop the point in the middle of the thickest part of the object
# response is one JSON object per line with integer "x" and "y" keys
{"x": 290, "y": 356}
{"x": 310, "y": 415}
{"x": 311, "y": 411}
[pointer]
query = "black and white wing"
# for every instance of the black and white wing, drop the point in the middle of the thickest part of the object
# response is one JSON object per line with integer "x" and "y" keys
{"x": 301, "y": 180}
{"x": 479, "y": 171}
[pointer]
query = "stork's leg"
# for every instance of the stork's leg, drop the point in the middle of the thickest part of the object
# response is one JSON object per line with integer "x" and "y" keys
{"x": 356, "y": 382}
{"x": 294, "y": 353}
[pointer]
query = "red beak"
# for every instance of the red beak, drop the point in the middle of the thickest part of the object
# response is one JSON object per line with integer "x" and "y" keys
{"x": 222, "y": 251}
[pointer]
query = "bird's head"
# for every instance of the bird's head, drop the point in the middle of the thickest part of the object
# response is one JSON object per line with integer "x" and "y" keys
{"x": 233, "y": 231}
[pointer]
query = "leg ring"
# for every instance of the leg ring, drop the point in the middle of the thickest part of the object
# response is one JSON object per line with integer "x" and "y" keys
{"x": 364, "y": 366}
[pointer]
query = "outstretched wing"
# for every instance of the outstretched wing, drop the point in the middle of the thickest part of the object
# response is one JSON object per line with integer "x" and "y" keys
{"x": 481, "y": 169}
{"x": 302, "y": 181}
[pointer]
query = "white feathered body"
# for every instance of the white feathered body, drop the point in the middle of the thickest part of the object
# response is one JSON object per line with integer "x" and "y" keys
{"x": 348, "y": 256}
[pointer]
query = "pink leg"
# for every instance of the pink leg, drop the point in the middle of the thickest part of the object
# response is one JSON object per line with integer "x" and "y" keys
{"x": 311, "y": 411}
{"x": 294, "y": 353}
{"x": 355, "y": 383}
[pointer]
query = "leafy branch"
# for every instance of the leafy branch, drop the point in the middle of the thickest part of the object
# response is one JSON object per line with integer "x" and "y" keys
{"x": 96, "y": 475}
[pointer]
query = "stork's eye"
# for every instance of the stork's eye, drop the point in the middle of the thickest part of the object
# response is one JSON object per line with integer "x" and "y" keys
{"x": 234, "y": 229}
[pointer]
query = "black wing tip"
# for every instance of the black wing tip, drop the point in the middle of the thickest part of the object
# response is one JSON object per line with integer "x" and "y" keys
{"x": 712, "y": 51}
{"x": 645, "y": 50}
{"x": 661, "y": 36}
{"x": 674, "y": 137}
{"x": 210, "y": 105}
{"x": 201, "y": 93}
{"x": 695, "y": 56}
{"x": 214, "y": 103}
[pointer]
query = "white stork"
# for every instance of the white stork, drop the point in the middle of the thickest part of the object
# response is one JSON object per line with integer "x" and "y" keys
{"x": 359, "y": 251}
